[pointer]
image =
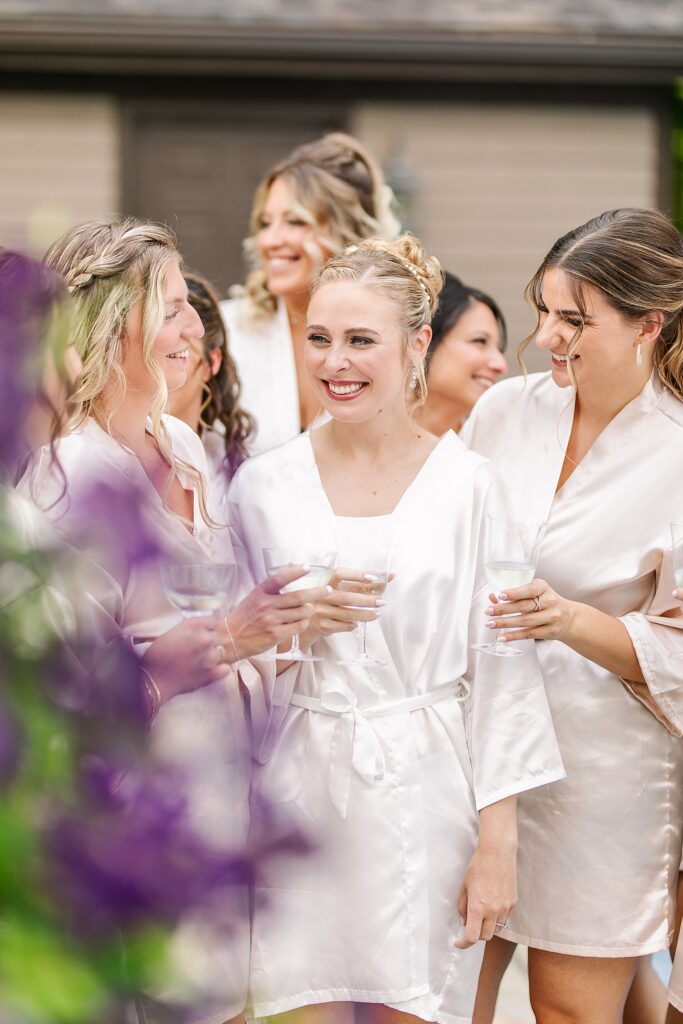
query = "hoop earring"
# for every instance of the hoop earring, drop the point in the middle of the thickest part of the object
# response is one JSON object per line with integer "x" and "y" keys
{"x": 639, "y": 354}
{"x": 414, "y": 377}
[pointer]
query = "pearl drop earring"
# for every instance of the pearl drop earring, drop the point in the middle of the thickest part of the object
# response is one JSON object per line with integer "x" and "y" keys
{"x": 639, "y": 354}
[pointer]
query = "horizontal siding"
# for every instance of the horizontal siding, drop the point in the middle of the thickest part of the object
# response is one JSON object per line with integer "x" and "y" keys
{"x": 59, "y": 165}
{"x": 495, "y": 185}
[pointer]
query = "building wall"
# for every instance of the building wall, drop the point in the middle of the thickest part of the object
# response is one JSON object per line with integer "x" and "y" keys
{"x": 495, "y": 185}
{"x": 59, "y": 165}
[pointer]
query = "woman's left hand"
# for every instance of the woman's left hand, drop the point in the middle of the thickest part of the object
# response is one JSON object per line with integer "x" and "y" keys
{"x": 488, "y": 893}
{"x": 533, "y": 612}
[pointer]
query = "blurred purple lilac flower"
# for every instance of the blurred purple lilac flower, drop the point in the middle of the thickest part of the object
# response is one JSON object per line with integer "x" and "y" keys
{"x": 28, "y": 294}
{"x": 114, "y": 516}
{"x": 11, "y": 742}
{"x": 133, "y": 859}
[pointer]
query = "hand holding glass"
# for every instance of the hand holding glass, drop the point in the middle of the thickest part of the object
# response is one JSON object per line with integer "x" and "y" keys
{"x": 371, "y": 556}
{"x": 319, "y": 566}
{"x": 198, "y": 588}
{"x": 510, "y": 556}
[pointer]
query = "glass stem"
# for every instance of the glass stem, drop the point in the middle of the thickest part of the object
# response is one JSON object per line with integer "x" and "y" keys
{"x": 363, "y": 637}
{"x": 295, "y": 649}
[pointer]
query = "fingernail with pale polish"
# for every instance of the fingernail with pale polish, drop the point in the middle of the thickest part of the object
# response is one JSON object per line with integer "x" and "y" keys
{"x": 502, "y": 597}
{"x": 489, "y": 610}
{"x": 380, "y": 603}
{"x": 491, "y": 623}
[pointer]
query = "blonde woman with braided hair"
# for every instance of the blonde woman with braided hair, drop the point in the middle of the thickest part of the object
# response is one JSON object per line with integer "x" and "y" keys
{"x": 404, "y": 770}
{"x": 133, "y": 329}
{"x": 324, "y": 196}
{"x": 595, "y": 445}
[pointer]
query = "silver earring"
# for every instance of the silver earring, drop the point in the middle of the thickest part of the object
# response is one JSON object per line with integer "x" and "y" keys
{"x": 639, "y": 354}
{"x": 414, "y": 377}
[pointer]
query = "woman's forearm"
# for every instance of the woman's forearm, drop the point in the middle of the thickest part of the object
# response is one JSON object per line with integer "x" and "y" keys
{"x": 603, "y": 639}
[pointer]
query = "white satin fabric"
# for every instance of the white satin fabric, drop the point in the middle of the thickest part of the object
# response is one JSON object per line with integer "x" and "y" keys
{"x": 261, "y": 345}
{"x": 385, "y": 768}
{"x": 600, "y": 851}
{"x": 204, "y": 733}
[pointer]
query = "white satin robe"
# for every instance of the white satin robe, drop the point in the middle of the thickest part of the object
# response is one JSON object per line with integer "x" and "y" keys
{"x": 385, "y": 769}
{"x": 261, "y": 345}
{"x": 204, "y": 733}
{"x": 599, "y": 852}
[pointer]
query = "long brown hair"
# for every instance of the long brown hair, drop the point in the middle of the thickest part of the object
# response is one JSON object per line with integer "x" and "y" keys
{"x": 221, "y": 399}
{"x": 635, "y": 257}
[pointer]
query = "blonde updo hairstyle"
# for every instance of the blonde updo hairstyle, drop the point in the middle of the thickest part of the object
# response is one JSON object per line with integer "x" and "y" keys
{"x": 109, "y": 267}
{"x": 635, "y": 257}
{"x": 340, "y": 192}
{"x": 405, "y": 273}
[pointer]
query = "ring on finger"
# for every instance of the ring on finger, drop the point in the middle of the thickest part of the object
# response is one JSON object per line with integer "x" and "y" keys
{"x": 537, "y": 604}
{"x": 500, "y": 925}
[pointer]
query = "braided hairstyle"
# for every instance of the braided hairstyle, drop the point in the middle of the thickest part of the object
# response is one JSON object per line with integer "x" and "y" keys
{"x": 221, "y": 400}
{"x": 340, "y": 192}
{"x": 110, "y": 267}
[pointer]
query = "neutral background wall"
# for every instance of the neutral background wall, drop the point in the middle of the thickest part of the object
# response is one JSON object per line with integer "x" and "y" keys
{"x": 491, "y": 186}
{"x": 495, "y": 185}
{"x": 59, "y": 165}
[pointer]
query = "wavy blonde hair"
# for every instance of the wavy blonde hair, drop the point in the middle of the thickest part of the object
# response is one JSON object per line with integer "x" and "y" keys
{"x": 409, "y": 276}
{"x": 339, "y": 191}
{"x": 110, "y": 267}
{"x": 635, "y": 257}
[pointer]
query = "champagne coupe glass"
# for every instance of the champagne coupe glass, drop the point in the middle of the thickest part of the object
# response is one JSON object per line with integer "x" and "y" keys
{"x": 677, "y": 555}
{"x": 198, "y": 588}
{"x": 510, "y": 556}
{"x": 319, "y": 565}
{"x": 369, "y": 554}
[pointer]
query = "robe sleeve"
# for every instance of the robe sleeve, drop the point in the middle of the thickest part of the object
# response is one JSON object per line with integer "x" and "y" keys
{"x": 258, "y": 674}
{"x": 511, "y": 737}
{"x": 657, "y": 636}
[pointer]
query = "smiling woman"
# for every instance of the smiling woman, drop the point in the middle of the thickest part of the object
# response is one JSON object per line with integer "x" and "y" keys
{"x": 403, "y": 770}
{"x": 326, "y": 195}
{"x": 590, "y": 447}
{"x": 465, "y": 356}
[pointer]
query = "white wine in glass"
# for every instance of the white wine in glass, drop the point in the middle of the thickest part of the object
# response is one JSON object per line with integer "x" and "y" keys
{"x": 198, "y": 588}
{"x": 319, "y": 568}
{"x": 511, "y": 553}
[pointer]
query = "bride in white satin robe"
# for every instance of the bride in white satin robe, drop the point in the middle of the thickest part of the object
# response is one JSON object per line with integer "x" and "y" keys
{"x": 384, "y": 768}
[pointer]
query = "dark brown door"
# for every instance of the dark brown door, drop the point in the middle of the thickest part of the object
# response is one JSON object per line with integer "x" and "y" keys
{"x": 196, "y": 168}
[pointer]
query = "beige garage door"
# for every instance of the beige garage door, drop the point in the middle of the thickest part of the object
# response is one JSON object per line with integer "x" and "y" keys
{"x": 495, "y": 185}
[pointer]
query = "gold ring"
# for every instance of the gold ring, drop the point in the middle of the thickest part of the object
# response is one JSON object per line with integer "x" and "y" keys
{"x": 537, "y": 604}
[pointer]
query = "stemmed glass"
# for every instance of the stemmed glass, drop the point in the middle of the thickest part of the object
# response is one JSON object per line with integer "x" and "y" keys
{"x": 510, "y": 557}
{"x": 319, "y": 565}
{"x": 370, "y": 559}
{"x": 677, "y": 556}
{"x": 198, "y": 588}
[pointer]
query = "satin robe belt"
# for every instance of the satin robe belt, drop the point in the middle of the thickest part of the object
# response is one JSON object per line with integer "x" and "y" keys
{"x": 355, "y": 743}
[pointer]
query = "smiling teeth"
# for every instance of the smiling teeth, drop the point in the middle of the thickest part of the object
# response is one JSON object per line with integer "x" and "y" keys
{"x": 177, "y": 355}
{"x": 344, "y": 389}
{"x": 484, "y": 381}
{"x": 562, "y": 359}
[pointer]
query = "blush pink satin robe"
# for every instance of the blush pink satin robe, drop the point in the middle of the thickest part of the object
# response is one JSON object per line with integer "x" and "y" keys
{"x": 599, "y": 852}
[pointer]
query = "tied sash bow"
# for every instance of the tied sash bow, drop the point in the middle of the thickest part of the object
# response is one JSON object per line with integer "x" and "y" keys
{"x": 356, "y": 745}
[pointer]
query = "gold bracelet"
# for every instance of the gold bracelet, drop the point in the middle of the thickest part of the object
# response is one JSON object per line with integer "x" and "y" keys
{"x": 153, "y": 694}
{"x": 234, "y": 645}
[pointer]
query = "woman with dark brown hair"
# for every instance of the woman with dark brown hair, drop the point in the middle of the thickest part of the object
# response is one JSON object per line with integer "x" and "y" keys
{"x": 209, "y": 401}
